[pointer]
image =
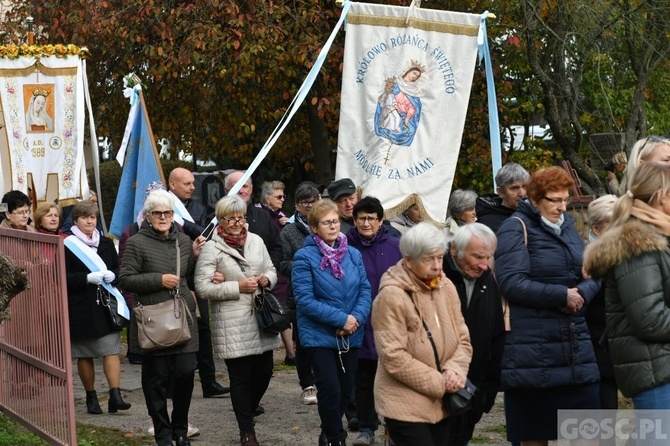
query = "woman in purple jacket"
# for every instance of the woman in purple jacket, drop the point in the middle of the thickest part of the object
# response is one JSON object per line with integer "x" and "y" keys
{"x": 380, "y": 251}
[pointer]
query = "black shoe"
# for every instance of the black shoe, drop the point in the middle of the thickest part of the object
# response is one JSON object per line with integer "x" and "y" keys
{"x": 353, "y": 424}
{"x": 214, "y": 389}
{"x": 116, "y": 402}
{"x": 260, "y": 410}
{"x": 92, "y": 404}
{"x": 182, "y": 441}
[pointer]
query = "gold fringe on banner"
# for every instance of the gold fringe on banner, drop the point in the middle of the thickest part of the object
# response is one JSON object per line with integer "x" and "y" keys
{"x": 405, "y": 204}
{"x": 37, "y": 66}
{"x": 401, "y": 22}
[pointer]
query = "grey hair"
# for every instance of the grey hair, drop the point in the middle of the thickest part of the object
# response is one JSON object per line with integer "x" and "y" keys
{"x": 509, "y": 173}
{"x": 464, "y": 234}
{"x": 230, "y": 204}
{"x": 158, "y": 198}
{"x": 422, "y": 239}
{"x": 268, "y": 188}
{"x": 601, "y": 210}
{"x": 228, "y": 181}
{"x": 461, "y": 201}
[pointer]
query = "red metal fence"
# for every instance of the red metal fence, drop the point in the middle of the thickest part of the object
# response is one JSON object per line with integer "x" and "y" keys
{"x": 36, "y": 385}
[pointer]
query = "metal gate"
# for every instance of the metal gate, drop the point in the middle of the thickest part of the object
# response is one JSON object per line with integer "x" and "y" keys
{"x": 36, "y": 386}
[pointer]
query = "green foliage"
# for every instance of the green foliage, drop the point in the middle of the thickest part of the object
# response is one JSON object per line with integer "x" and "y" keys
{"x": 13, "y": 434}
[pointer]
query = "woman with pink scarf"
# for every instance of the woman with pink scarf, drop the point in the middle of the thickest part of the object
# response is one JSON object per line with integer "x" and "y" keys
{"x": 333, "y": 300}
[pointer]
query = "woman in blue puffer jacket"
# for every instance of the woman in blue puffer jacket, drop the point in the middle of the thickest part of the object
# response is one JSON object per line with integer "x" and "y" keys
{"x": 333, "y": 300}
{"x": 548, "y": 360}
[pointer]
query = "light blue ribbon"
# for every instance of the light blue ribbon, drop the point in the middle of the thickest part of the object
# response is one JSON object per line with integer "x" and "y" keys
{"x": 295, "y": 104}
{"x": 494, "y": 124}
{"x": 85, "y": 255}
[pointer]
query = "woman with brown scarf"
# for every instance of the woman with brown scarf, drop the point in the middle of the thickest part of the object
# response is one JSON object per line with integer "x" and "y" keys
{"x": 632, "y": 257}
{"x": 246, "y": 265}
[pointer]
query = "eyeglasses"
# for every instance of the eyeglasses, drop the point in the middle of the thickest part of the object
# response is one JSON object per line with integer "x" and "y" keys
{"x": 23, "y": 212}
{"x": 159, "y": 214}
{"x": 231, "y": 221}
{"x": 307, "y": 203}
{"x": 558, "y": 200}
{"x": 280, "y": 197}
{"x": 329, "y": 223}
{"x": 653, "y": 139}
{"x": 367, "y": 219}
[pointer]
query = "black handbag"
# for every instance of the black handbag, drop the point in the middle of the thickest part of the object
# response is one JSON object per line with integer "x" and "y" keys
{"x": 108, "y": 301}
{"x": 271, "y": 314}
{"x": 461, "y": 401}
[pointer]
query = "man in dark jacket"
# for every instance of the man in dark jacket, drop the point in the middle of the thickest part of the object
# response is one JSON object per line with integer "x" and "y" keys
{"x": 466, "y": 264}
{"x": 380, "y": 251}
{"x": 493, "y": 209}
{"x": 182, "y": 184}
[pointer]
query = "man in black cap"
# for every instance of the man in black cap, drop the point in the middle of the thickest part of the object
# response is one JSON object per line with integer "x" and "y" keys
{"x": 343, "y": 192}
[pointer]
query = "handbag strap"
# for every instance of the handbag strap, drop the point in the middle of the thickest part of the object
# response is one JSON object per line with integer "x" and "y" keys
{"x": 176, "y": 243}
{"x": 429, "y": 334}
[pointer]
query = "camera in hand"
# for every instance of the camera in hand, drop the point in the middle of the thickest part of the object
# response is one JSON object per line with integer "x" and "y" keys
{"x": 609, "y": 166}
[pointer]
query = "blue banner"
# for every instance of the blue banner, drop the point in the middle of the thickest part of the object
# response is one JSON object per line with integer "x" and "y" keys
{"x": 141, "y": 167}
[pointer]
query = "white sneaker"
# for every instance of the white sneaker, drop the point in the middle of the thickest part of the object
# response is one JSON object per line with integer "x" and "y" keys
{"x": 309, "y": 396}
{"x": 192, "y": 431}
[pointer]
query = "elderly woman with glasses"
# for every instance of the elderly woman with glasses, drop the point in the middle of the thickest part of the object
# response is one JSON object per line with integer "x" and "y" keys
{"x": 272, "y": 200}
{"x": 461, "y": 210}
{"x": 417, "y": 318}
{"x": 652, "y": 149}
{"x": 333, "y": 297}
{"x": 157, "y": 262}
{"x": 18, "y": 211}
{"x": 292, "y": 239}
{"x": 548, "y": 361}
{"x": 245, "y": 263}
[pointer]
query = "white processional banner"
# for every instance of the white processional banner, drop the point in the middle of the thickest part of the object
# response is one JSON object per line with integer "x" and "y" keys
{"x": 43, "y": 106}
{"x": 405, "y": 89}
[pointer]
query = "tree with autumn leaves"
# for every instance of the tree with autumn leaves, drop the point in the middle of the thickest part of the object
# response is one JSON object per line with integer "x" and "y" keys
{"x": 219, "y": 74}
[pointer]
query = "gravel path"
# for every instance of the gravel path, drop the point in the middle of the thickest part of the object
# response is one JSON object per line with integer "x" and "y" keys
{"x": 286, "y": 420}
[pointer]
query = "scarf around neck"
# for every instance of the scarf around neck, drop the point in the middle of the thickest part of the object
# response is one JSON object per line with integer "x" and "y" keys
{"x": 658, "y": 219}
{"x": 234, "y": 241}
{"x": 91, "y": 242}
{"x": 332, "y": 257}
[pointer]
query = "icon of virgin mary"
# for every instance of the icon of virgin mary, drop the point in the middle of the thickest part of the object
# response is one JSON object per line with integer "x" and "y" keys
{"x": 399, "y": 106}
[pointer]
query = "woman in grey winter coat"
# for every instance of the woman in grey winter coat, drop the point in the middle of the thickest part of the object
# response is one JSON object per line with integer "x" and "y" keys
{"x": 149, "y": 269}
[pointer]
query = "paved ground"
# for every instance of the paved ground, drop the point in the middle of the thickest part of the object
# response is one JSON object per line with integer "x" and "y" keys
{"x": 286, "y": 420}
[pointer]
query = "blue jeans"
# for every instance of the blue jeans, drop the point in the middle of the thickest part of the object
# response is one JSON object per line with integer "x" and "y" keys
{"x": 654, "y": 398}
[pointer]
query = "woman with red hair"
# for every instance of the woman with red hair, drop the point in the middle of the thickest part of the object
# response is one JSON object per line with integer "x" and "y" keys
{"x": 548, "y": 361}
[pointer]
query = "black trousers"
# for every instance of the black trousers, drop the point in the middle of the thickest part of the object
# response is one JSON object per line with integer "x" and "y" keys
{"x": 365, "y": 395}
{"x": 334, "y": 387}
{"x": 205, "y": 356}
{"x": 249, "y": 379}
{"x": 158, "y": 372}
{"x": 303, "y": 362}
{"x": 404, "y": 433}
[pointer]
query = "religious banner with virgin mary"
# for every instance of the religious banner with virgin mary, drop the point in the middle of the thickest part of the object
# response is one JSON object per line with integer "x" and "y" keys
{"x": 42, "y": 95}
{"x": 406, "y": 83}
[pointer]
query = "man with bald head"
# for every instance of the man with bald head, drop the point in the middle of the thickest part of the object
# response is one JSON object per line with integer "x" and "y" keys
{"x": 182, "y": 184}
{"x": 260, "y": 222}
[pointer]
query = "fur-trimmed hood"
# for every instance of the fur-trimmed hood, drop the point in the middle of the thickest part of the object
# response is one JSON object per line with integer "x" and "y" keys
{"x": 620, "y": 244}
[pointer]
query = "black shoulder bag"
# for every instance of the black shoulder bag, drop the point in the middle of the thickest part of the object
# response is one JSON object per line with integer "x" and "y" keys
{"x": 455, "y": 403}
